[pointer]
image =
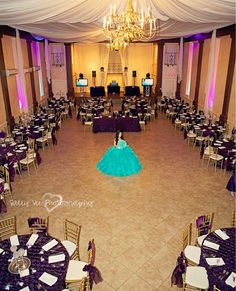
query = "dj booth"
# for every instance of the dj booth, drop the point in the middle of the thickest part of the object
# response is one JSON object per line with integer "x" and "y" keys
{"x": 132, "y": 91}
{"x": 98, "y": 91}
{"x": 113, "y": 89}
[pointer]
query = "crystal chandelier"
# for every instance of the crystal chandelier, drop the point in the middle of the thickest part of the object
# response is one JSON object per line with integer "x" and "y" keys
{"x": 131, "y": 25}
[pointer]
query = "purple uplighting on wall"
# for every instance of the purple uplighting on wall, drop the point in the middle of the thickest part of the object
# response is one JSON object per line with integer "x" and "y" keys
{"x": 21, "y": 96}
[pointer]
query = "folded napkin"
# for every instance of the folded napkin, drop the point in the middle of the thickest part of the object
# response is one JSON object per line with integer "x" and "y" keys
{"x": 50, "y": 245}
{"x": 24, "y": 273}
{"x": 56, "y": 258}
{"x": 221, "y": 234}
{"x": 19, "y": 151}
{"x": 1, "y": 180}
{"x": 32, "y": 239}
{"x": 215, "y": 261}
{"x": 222, "y": 148}
{"x": 48, "y": 279}
{"x": 1, "y": 250}
{"x": 211, "y": 245}
{"x": 25, "y": 289}
{"x": 14, "y": 240}
{"x": 231, "y": 280}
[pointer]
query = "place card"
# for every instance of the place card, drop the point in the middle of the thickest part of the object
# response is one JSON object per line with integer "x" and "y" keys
{"x": 25, "y": 289}
{"x": 24, "y": 273}
{"x": 215, "y": 261}
{"x": 211, "y": 245}
{"x": 32, "y": 239}
{"x": 56, "y": 258}
{"x": 221, "y": 234}
{"x": 231, "y": 280}
{"x": 50, "y": 245}
{"x": 48, "y": 279}
{"x": 14, "y": 240}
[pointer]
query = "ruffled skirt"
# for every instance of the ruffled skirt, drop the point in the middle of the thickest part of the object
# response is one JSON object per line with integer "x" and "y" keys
{"x": 119, "y": 162}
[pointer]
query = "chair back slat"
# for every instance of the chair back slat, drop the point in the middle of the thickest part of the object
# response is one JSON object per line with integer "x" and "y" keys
{"x": 204, "y": 224}
{"x": 38, "y": 224}
{"x": 187, "y": 235}
{"x": 7, "y": 228}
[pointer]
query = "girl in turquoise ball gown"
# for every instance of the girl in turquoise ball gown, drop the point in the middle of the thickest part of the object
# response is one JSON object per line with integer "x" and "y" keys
{"x": 120, "y": 159}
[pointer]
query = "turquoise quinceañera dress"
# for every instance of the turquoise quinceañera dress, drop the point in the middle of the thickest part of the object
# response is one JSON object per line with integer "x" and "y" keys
{"x": 119, "y": 160}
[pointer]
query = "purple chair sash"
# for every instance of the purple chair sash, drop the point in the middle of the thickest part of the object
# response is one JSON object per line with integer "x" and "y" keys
{"x": 94, "y": 275}
{"x": 180, "y": 269}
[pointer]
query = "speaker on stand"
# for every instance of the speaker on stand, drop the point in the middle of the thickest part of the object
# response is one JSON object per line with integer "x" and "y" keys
{"x": 94, "y": 78}
{"x": 134, "y": 77}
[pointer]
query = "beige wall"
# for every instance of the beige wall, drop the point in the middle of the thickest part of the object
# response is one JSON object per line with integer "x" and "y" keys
{"x": 203, "y": 77}
{"x": 2, "y": 110}
{"x": 222, "y": 68}
{"x": 194, "y": 70}
{"x": 232, "y": 104}
{"x": 140, "y": 59}
{"x": 184, "y": 72}
{"x": 11, "y": 80}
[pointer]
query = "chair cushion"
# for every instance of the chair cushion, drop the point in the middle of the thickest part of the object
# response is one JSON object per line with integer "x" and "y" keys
{"x": 70, "y": 246}
{"x": 41, "y": 139}
{"x": 6, "y": 186}
{"x": 25, "y": 162}
{"x": 193, "y": 253}
{"x": 75, "y": 271}
{"x": 197, "y": 277}
{"x": 216, "y": 157}
{"x": 200, "y": 239}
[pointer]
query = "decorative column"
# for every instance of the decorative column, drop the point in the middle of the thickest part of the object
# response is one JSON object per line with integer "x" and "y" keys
{"x": 70, "y": 87}
{"x": 229, "y": 81}
{"x": 32, "y": 81}
{"x": 159, "y": 68}
{"x": 6, "y": 98}
{"x": 199, "y": 68}
{"x": 180, "y": 68}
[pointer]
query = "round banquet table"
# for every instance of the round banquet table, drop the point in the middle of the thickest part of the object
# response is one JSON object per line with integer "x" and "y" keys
{"x": 217, "y": 275}
{"x": 39, "y": 265}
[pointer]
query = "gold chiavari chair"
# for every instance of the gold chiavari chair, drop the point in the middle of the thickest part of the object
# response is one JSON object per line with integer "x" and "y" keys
{"x": 7, "y": 184}
{"x": 7, "y": 228}
{"x": 204, "y": 226}
{"x": 215, "y": 288}
{"x": 38, "y": 224}
{"x": 72, "y": 238}
{"x": 43, "y": 140}
{"x": 215, "y": 158}
{"x": 75, "y": 274}
{"x": 192, "y": 253}
{"x": 30, "y": 159}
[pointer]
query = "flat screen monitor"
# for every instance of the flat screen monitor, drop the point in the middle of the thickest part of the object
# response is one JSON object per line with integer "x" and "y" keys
{"x": 147, "y": 82}
{"x": 82, "y": 83}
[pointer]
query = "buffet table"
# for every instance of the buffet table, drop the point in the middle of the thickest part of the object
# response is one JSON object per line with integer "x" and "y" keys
{"x": 112, "y": 124}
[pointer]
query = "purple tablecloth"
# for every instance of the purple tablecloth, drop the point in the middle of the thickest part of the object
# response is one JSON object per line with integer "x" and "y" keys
{"x": 39, "y": 262}
{"x": 125, "y": 124}
{"x": 218, "y": 274}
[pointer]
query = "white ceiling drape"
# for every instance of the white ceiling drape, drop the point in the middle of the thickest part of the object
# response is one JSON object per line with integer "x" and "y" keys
{"x": 81, "y": 20}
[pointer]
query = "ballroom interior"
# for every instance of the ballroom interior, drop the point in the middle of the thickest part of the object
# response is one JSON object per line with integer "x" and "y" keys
{"x": 72, "y": 74}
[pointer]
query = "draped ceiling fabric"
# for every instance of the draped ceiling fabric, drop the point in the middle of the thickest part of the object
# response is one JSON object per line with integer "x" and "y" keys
{"x": 81, "y": 20}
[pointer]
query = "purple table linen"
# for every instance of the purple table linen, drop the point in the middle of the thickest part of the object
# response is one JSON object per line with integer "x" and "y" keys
{"x": 36, "y": 255}
{"x": 218, "y": 274}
